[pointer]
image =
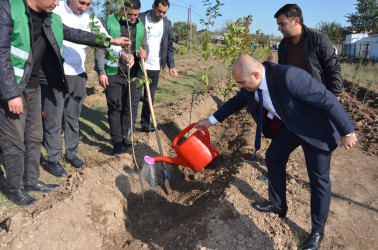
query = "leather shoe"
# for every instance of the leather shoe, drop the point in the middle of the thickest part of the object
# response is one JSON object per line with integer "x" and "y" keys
{"x": 56, "y": 169}
{"x": 126, "y": 142}
{"x": 313, "y": 241}
{"x": 41, "y": 187}
{"x": 76, "y": 162}
{"x": 21, "y": 198}
{"x": 147, "y": 128}
{"x": 269, "y": 208}
{"x": 117, "y": 148}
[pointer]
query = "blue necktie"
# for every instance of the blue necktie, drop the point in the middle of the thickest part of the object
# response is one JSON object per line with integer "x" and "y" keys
{"x": 259, "y": 120}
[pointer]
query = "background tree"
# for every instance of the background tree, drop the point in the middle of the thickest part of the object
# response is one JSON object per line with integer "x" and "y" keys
{"x": 333, "y": 30}
{"x": 179, "y": 29}
{"x": 274, "y": 38}
{"x": 260, "y": 38}
{"x": 366, "y": 17}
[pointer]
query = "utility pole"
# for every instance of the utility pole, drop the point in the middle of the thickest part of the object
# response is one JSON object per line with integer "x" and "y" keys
{"x": 191, "y": 30}
{"x": 187, "y": 29}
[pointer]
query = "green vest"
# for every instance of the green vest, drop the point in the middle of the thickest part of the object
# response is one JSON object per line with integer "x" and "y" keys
{"x": 114, "y": 29}
{"x": 20, "y": 41}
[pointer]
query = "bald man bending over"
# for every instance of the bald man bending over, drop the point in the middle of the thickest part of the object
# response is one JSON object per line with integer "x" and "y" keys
{"x": 296, "y": 111}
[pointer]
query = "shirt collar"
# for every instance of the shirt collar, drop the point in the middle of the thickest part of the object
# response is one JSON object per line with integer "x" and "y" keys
{"x": 263, "y": 84}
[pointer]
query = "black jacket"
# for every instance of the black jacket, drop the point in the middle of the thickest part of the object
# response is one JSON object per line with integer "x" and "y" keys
{"x": 52, "y": 72}
{"x": 166, "y": 46}
{"x": 322, "y": 62}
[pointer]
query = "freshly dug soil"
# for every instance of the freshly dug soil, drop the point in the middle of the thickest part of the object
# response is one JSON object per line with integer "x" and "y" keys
{"x": 102, "y": 207}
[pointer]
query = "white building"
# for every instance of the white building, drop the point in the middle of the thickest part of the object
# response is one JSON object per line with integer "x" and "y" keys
{"x": 362, "y": 45}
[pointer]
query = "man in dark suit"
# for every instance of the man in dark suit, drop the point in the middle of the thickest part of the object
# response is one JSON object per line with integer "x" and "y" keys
{"x": 295, "y": 111}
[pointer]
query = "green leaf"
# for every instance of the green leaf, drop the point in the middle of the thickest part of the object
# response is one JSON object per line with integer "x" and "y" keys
{"x": 91, "y": 16}
{"x": 139, "y": 83}
{"x": 106, "y": 43}
{"x": 91, "y": 26}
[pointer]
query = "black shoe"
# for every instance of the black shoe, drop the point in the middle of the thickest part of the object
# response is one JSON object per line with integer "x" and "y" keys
{"x": 117, "y": 148}
{"x": 147, "y": 128}
{"x": 126, "y": 142}
{"x": 56, "y": 169}
{"x": 269, "y": 208}
{"x": 126, "y": 138}
{"x": 21, "y": 198}
{"x": 313, "y": 241}
{"x": 41, "y": 187}
{"x": 76, "y": 162}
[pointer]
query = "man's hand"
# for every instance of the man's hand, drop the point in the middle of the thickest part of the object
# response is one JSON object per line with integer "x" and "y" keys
{"x": 203, "y": 123}
{"x": 173, "y": 72}
{"x": 121, "y": 41}
{"x": 128, "y": 58}
{"x": 16, "y": 105}
{"x": 103, "y": 80}
{"x": 142, "y": 53}
{"x": 348, "y": 141}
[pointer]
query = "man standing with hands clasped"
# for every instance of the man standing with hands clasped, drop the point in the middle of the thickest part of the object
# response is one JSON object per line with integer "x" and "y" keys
{"x": 294, "y": 110}
{"x": 111, "y": 75}
{"x": 159, "y": 54}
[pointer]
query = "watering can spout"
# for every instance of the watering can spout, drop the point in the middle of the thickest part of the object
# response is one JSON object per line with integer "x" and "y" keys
{"x": 195, "y": 152}
{"x": 174, "y": 160}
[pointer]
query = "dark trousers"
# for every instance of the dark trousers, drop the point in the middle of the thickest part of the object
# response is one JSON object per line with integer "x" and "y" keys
{"x": 146, "y": 113}
{"x": 318, "y": 168}
{"x": 117, "y": 97}
{"x": 57, "y": 104}
{"x": 20, "y": 139}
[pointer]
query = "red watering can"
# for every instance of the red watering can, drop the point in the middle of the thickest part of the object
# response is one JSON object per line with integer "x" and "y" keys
{"x": 196, "y": 152}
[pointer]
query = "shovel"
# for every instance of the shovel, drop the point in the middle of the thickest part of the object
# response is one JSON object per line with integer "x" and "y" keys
{"x": 166, "y": 172}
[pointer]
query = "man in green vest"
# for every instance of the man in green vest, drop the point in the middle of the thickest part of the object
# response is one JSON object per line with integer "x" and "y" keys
{"x": 30, "y": 55}
{"x": 112, "y": 75}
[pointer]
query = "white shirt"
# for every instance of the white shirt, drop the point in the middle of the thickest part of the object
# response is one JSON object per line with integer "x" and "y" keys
{"x": 267, "y": 101}
{"x": 74, "y": 54}
{"x": 154, "y": 33}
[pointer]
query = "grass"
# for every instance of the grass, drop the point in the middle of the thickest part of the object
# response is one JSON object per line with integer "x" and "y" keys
{"x": 172, "y": 89}
{"x": 366, "y": 75}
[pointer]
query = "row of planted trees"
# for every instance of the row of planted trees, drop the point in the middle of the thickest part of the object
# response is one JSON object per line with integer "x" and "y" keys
{"x": 237, "y": 40}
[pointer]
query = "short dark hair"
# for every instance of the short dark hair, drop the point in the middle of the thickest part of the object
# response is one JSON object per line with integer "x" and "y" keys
{"x": 133, "y": 4}
{"x": 290, "y": 10}
{"x": 163, "y": 2}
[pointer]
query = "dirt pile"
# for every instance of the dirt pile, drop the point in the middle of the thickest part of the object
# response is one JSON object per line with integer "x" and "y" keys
{"x": 101, "y": 207}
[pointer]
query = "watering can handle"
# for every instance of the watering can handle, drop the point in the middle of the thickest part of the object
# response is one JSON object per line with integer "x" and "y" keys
{"x": 186, "y": 130}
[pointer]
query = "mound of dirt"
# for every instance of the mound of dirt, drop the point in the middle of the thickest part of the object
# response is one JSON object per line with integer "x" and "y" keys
{"x": 103, "y": 207}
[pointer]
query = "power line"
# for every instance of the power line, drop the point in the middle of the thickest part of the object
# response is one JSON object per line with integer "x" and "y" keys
{"x": 197, "y": 14}
{"x": 179, "y": 6}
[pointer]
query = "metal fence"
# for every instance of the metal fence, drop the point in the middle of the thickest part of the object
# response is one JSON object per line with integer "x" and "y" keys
{"x": 358, "y": 50}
